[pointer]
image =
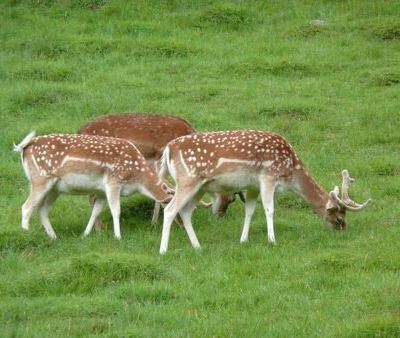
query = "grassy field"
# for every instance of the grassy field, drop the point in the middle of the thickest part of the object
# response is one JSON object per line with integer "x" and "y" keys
{"x": 331, "y": 87}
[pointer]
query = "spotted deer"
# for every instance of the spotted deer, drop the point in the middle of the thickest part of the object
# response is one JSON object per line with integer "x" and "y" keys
{"x": 83, "y": 164}
{"x": 255, "y": 161}
{"x": 150, "y": 133}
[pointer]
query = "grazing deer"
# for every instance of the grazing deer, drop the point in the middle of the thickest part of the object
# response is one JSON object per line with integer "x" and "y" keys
{"x": 84, "y": 164}
{"x": 150, "y": 133}
{"x": 255, "y": 161}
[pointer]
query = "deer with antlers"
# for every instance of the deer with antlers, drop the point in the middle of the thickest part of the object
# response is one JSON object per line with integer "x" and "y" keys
{"x": 255, "y": 161}
{"x": 83, "y": 164}
{"x": 150, "y": 133}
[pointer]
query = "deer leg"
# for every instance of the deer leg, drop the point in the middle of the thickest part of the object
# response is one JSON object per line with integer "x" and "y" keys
{"x": 39, "y": 189}
{"x": 44, "y": 213}
{"x": 113, "y": 196}
{"x": 98, "y": 224}
{"x": 97, "y": 208}
{"x": 186, "y": 215}
{"x": 181, "y": 197}
{"x": 250, "y": 206}
{"x": 156, "y": 212}
{"x": 267, "y": 188}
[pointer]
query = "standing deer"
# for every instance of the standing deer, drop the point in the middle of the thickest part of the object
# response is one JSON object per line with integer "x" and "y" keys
{"x": 84, "y": 164}
{"x": 256, "y": 161}
{"x": 150, "y": 133}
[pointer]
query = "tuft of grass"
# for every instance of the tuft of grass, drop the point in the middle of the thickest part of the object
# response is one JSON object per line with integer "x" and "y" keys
{"x": 88, "y": 4}
{"x": 41, "y": 97}
{"x": 225, "y": 17}
{"x": 53, "y": 72}
{"x": 309, "y": 30}
{"x": 383, "y": 78}
{"x": 90, "y": 273}
{"x": 19, "y": 242}
{"x": 387, "y": 31}
{"x": 253, "y": 68}
{"x": 382, "y": 326}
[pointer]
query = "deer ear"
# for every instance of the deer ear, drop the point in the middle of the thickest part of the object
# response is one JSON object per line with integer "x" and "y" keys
{"x": 330, "y": 206}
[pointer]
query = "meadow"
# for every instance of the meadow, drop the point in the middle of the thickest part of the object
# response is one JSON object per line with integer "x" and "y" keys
{"x": 324, "y": 74}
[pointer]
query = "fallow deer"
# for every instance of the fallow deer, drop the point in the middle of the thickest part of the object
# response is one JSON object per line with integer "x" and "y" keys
{"x": 84, "y": 164}
{"x": 150, "y": 133}
{"x": 255, "y": 161}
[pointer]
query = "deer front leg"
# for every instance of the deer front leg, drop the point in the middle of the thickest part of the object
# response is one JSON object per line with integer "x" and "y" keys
{"x": 181, "y": 198}
{"x": 98, "y": 224}
{"x": 250, "y": 206}
{"x": 113, "y": 196}
{"x": 97, "y": 208}
{"x": 156, "y": 212}
{"x": 267, "y": 189}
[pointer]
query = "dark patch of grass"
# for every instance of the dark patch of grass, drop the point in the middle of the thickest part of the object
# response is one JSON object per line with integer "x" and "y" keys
{"x": 204, "y": 95}
{"x": 387, "y": 31}
{"x": 378, "y": 326}
{"x": 145, "y": 294}
{"x": 41, "y": 97}
{"x": 309, "y": 30}
{"x": 338, "y": 263}
{"x": 47, "y": 48}
{"x": 163, "y": 49}
{"x": 383, "y": 78}
{"x": 297, "y": 113}
{"x": 262, "y": 68}
{"x": 44, "y": 72}
{"x": 225, "y": 17}
{"x": 291, "y": 201}
{"x": 17, "y": 242}
{"x": 88, "y": 4}
{"x": 92, "y": 272}
{"x": 384, "y": 168}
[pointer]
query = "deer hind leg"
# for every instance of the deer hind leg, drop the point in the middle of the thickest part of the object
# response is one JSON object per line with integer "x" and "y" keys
{"x": 186, "y": 215}
{"x": 97, "y": 208}
{"x": 44, "y": 213}
{"x": 267, "y": 188}
{"x": 181, "y": 198}
{"x": 98, "y": 224}
{"x": 250, "y": 206}
{"x": 113, "y": 196}
{"x": 39, "y": 189}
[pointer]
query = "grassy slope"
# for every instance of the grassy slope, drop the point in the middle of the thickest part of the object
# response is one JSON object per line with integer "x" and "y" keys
{"x": 332, "y": 91}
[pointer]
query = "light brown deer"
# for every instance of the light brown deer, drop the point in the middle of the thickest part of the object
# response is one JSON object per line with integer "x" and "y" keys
{"x": 255, "y": 161}
{"x": 150, "y": 133}
{"x": 84, "y": 164}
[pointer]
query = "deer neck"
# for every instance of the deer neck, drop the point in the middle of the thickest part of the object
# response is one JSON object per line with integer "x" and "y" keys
{"x": 306, "y": 186}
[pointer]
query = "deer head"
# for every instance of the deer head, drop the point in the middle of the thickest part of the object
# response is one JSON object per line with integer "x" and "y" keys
{"x": 336, "y": 207}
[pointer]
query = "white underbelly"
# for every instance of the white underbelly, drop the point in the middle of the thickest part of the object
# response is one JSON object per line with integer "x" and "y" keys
{"x": 80, "y": 184}
{"x": 231, "y": 182}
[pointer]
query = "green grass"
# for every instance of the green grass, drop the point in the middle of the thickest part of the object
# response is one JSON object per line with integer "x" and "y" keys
{"x": 331, "y": 89}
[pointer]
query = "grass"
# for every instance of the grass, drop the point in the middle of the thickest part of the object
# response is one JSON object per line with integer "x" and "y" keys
{"x": 324, "y": 74}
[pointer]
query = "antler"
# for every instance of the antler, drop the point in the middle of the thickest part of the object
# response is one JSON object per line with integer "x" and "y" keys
{"x": 346, "y": 201}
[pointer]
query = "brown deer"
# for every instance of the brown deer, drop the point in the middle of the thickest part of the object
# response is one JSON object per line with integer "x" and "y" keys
{"x": 255, "y": 161}
{"x": 150, "y": 133}
{"x": 84, "y": 164}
